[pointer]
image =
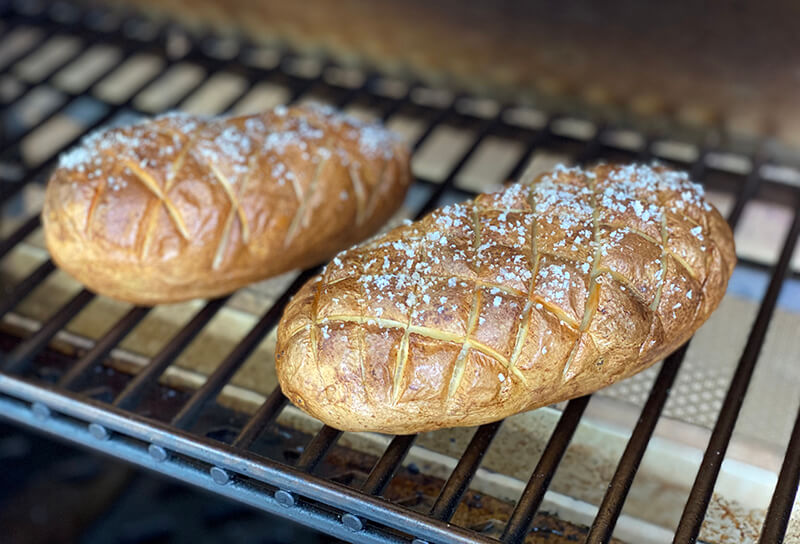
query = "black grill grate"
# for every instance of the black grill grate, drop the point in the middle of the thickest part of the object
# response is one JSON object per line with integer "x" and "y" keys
{"x": 121, "y": 429}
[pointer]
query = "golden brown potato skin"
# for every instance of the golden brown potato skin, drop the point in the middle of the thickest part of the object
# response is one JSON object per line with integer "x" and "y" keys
{"x": 181, "y": 207}
{"x": 512, "y": 301}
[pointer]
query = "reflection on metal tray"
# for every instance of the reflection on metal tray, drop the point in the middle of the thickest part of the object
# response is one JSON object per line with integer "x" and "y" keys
{"x": 140, "y": 383}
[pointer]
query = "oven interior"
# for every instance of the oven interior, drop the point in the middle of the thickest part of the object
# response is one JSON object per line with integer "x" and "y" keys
{"x": 703, "y": 445}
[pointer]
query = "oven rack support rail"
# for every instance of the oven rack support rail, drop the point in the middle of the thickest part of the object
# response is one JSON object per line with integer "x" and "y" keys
{"x": 295, "y": 492}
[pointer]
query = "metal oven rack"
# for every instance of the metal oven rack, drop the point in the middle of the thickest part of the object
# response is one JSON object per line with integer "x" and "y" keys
{"x": 120, "y": 429}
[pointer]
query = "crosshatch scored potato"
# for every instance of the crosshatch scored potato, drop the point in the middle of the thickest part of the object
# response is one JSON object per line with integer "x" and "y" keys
{"x": 183, "y": 207}
{"x": 514, "y": 300}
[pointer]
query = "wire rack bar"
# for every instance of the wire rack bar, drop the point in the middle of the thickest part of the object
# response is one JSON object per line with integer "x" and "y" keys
{"x": 26, "y": 350}
{"x": 700, "y": 495}
{"x": 780, "y": 507}
{"x": 462, "y": 475}
{"x": 77, "y": 372}
{"x": 23, "y": 288}
{"x": 30, "y": 225}
{"x": 614, "y": 499}
{"x": 149, "y": 374}
{"x": 315, "y": 451}
{"x": 186, "y": 445}
{"x": 219, "y": 378}
{"x": 531, "y": 498}
{"x": 387, "y": 465}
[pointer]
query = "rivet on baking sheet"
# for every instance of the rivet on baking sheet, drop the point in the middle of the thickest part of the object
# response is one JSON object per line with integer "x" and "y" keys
{"x": 284, "y": 498}
{"x": 98, "y": 431}
{"x": 157, "y": 452}
{"x": 220, "y": 475}
{"x": 352, "y": 522}
{"x": 40, "y": 410}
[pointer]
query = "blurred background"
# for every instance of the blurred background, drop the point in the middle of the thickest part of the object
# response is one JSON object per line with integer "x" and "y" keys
{"x": 727, "y": 67}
